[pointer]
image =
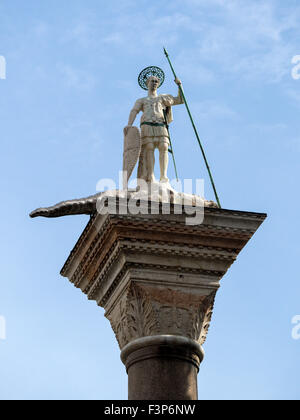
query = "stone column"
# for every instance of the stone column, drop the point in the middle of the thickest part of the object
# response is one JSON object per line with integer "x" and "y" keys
{"x": 157, "y": 278}
{"x": 162, "y": 367}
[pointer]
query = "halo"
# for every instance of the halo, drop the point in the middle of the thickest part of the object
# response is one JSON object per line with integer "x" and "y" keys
{"x": 148, "y": 72}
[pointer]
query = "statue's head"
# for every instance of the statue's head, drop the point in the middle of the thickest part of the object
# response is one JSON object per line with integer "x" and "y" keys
{"x": 151, "y": 78}
{"x": 153, "y": 83}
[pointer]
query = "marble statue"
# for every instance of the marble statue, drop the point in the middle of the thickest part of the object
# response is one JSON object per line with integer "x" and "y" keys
{"x": 157, "y": 115}
{"x": 139, "y": 147}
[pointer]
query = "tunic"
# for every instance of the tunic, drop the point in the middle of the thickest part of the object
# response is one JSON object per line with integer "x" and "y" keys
{"x": 152, "y": 109}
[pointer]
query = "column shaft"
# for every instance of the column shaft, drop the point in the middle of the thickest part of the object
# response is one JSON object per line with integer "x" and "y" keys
{"x": 162, "y": 368}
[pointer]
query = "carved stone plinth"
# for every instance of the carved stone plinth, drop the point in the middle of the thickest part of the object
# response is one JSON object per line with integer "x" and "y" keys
{"x": 157, "y": 278}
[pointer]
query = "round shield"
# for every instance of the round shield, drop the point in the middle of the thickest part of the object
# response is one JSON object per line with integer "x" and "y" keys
{"x": 151, "y": 71}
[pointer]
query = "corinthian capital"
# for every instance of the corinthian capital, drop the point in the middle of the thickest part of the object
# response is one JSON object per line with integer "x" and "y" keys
{"x": 157, "y": 310}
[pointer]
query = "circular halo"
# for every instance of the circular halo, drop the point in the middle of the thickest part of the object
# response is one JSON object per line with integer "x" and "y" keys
{"x": 148, "y": 72}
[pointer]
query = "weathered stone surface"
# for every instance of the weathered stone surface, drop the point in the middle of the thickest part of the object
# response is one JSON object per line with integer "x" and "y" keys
{"x": 162, "y": 367}
{"x": 155, "y": 275}
{"x": 157, "y": 278}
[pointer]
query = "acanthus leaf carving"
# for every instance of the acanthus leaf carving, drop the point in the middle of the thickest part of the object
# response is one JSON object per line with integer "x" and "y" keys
{"x": 142, "y": 312}
{"x": 202, "y": 318}
{"x": 141, "y": 317}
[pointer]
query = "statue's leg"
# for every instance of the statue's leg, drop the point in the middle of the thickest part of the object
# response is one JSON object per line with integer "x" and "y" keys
{"x": 150, "y": 160}
{"x": 163, "y": 158}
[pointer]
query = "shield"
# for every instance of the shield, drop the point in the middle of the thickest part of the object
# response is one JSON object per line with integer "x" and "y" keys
{"x": 131, "y": 154}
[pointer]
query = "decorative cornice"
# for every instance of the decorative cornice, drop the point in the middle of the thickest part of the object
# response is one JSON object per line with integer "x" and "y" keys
{"x": 154, "y": 223}
{"x": 165, "y": 268}
{"x": 145, "y": 248}
{"x": 92, "y": 256}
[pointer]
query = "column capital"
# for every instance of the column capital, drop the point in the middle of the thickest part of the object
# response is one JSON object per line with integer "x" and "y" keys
{"x": 153, "y": 273}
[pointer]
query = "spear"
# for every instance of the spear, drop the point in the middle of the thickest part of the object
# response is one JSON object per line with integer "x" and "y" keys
{"x": 195, "y": 130}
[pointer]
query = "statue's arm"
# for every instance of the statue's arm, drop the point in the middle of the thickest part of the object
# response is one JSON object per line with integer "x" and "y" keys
{"x": 170, "y": 100}
{"x": 132, "y": 116}
{"x": 178, "y": 100}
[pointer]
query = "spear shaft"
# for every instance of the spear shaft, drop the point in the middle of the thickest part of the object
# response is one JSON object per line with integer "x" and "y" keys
{"x": 195, "y": 130}
{"x": 171, "y": 146}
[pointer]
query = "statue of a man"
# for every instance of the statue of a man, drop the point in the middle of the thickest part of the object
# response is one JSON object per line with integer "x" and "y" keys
{"x": 157, "y": 115}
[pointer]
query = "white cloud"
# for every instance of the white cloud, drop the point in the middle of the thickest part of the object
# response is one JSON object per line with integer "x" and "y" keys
{"x": 191, "y": 68}
{"x": 213, "y": 110}
{"x": 269, "y": 128}
{"x": 41, "y": 29}
{"x": 245, "y": 39}
{"x": 271, "y": 66}
{"x": 151, "y": 29}
{"x": 2, "y": 67}
{"x": 77, "y": 78}
{"x": 294, "y": 94}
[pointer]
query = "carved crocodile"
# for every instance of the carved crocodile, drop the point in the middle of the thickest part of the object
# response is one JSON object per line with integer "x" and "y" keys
{"x": 85, "y": 205}
{"x": 88, "y": 205}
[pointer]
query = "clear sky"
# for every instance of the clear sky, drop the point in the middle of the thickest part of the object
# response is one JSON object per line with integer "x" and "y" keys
{"x": 71, "y": 80}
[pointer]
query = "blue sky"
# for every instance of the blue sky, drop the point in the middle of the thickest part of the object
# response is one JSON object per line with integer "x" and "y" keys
{"x": 71, "y": 80}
